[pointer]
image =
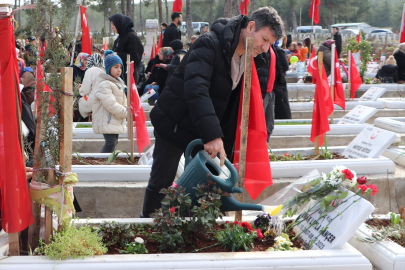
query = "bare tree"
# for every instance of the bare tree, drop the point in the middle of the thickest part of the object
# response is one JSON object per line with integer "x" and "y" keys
{"x": 160, "y": 11}
{"x": 211, "y": 20}
{"x": 293, "y": 17}
{"x": 189, "y": 20}
{"x": 228, "y": 8}
{"x": 154, "y": 6}
{"x": 130, "y": 11}
{"x": 140, "y": 16}
{"x": 167, "y": 11}
{"x": 253, "y": 2}
{"x": 123, "y": 7}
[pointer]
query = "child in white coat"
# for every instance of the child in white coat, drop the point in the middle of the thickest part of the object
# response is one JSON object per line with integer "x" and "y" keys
{"x": 110, "y": 103}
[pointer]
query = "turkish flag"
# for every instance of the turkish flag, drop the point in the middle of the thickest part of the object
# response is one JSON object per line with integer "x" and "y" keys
{"x": 257, "y": 170}
{"x": 323, "y": 105}
{"x": 311, "y": 59}
{"x": 355, "y": 79}
{"x": 15, "y": 201}
{"x": 272, "y": 70}
{"x": 142, "y": 135}
{"x": 314, "y": 10}
{"x": 177, "y": 6}
{"x": 402, "y": 38}
{"x": 339, "y": 93}
{"x": 42, "y": 48}
{"x": 358, "y": 37}
{"x": 86, "y": 43}
{"x": 105, "y": 43}
{"x": 151, "y": 52}
{"x": 244, "y": 7}
{"x": 160, "y": 42}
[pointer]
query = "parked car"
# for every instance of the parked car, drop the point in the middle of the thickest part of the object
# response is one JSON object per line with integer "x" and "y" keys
{"x": 197, "y": 27}
{"x": 350, "y": 32}
{"x": 381, "y": 32}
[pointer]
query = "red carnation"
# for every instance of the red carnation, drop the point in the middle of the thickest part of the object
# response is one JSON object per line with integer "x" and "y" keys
{"x": 286, "y": 155}
{"x": 373, "y": 188}
{"x": 348, "y": 174}
{"x": 172, "y": 210}
{"x": 236, "y": 223}
{"x": 247, "y": 226}
{"x": 259, "y": 234}
{"x": 362, "y": 187}
{"x": 362, "y": 180}
{"x": 174, "y": 185}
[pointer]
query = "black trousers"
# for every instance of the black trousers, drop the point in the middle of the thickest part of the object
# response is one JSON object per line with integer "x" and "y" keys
{"x": 166, "y": 157}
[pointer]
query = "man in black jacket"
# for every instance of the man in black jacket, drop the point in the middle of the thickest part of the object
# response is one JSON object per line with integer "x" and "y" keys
{"x": 338, "y": 40}
{"x": 172, "y": 32}
{"x": 127, "y": 42}
{"x": 201, "y": 97}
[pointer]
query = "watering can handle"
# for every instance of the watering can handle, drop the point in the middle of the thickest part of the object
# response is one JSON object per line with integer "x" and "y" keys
{"x": 189, "y": 149}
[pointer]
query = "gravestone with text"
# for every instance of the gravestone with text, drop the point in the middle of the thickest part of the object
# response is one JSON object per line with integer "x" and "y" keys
{"x": 358, "y": 115}
{"x": 341, "y": 227}
{"x": 373, "y": 93}
{"x": 370, "y": 143}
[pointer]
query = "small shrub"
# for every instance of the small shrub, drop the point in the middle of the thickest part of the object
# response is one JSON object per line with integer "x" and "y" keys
{"x": 236, "y": 238}
{"x": 73, "y": 243}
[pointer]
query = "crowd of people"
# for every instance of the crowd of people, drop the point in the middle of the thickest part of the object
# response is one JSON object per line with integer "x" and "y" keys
{"x": 196, "y": 90}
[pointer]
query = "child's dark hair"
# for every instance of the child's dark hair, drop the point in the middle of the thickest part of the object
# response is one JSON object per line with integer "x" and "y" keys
{"x": 299, "y": 43}
{"x": 307, "y": 78}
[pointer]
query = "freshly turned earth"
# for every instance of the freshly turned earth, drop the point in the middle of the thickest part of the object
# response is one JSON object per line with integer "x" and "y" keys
{"x": 103, "y": 161}
{"x": 385, "y": 223}
{"x": 202, "y": 241}
{"x": 310, "y": 157}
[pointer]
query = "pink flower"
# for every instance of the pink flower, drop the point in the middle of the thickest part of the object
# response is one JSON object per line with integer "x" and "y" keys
{"x": 348, "y": 174}
{"x": 259, "y": 234}
{"x": 174, "y": 185}
{"x": 373, "y": 188}
{"x": 172, "y": 210}
{"x": 362, "y": 180}
{"x": 362, "y": 187}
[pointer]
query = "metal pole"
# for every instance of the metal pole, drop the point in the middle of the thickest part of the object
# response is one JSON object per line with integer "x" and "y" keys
{"x": 349, "y": 77}
{"x": 300, "y": 20}
{"x": 313, "y": 14}
{"x": 332, "y": 78}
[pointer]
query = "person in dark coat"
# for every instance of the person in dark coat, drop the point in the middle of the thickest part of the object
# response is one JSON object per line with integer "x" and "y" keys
{"x": 200, "y": 98}
{"x": 127, "y": 43}
{"x": 172, "y": 31}
{"x": 281, "y": 104}
{"x": 326, "y": 48}
{"x": 178, "y": 55}
{"x": 389, "y": 72}
{"x": 338, "y": 40}
{"x": 399, "y": 55}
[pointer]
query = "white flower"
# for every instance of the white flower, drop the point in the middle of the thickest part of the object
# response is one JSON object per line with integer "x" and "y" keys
{"x": 279, "y": 239}
{"x": 139, "y": 240}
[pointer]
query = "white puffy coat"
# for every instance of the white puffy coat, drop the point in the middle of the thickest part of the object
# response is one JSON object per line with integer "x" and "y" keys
{"x": 109, "y": 106}
{"x": 87, "y": 89}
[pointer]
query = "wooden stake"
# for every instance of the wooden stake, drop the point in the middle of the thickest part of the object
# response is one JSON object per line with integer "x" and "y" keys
{"x": 154, "y": 46}
{"x": 33, "y": 229}
{"x": 320, "y": 68}
{"x": 130, "y": 121}
{"x": 244, "y": 120}
{"x": 66, "y": 121}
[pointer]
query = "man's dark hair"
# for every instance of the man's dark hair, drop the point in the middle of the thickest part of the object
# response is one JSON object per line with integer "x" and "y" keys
{"x": 268, "y": 17}
{"x": 164, "y": 24}
{"x": 334, "y": 27}
{"x": 307, "y": 78}
{"x": 175, "y": 15}
{"x": 299, "y": 43}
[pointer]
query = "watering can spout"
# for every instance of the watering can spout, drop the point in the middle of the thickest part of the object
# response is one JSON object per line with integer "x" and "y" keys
{"x": 231, "y": 204}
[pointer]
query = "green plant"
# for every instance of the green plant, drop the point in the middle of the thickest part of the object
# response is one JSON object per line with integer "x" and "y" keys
{"x": 113, "y": 156}
{"x": 128, "y": 157}
{"x": 80, "y": 159}
{"x": 136, "y": 247}
{"x": 73, "y": 243}
{"x": 396, "y": 219}
{"x": 114, "y": 233}
{"x": 236, "y": 238}
{"x": 365, "y": 50}
{"x": 282, "y": 243}
{"x": 381, "y": 233}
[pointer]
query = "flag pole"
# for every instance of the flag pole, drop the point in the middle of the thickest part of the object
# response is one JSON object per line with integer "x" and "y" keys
{"x": 154, "y": 46}
{"x": 130, "y": 121}
{"x": 402, "y": 24}
{"x": 313, "y": 14}
{"x": 349, "y": 83}
{"x": 320, "y": 67}
{"x": 244, "y": 121}
{"x": 332, "y": 79}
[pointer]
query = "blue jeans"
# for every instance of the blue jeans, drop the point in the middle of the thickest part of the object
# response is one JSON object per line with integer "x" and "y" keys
{"x": 154, "y": 87}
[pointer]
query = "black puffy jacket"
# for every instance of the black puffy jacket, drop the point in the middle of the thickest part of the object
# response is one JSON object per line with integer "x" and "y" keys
{"x": 177, "y": 57}
{"x": 400, "y": 58}
{"x": 196, "y": 96}
{"x": 388, "y": 74}
{"x": 127, "y": 43}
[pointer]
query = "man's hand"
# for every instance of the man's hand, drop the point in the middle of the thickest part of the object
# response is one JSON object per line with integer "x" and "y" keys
{"x": 28, "y": 172}
{"x": 214, "y": 147}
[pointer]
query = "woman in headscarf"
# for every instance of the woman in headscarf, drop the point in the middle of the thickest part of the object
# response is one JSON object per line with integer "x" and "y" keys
{"x": 79, "y": 67}
{"x": 95, "y": 67}
{"x": 157, "y": 79}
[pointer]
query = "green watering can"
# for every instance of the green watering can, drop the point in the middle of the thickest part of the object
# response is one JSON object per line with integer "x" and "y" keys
{"x": 226, "y": 178}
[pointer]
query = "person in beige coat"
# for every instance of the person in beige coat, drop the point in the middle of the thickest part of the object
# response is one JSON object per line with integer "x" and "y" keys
{"x": 110, "y": 103}
{"x": 95, "y": 67}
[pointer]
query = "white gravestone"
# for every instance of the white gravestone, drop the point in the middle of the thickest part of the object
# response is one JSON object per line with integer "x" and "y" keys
{"x": 373, "y": 93}
{"x": 358, "y": 115}
{"x": 341, "y": 229}
{"x": 370, "y": 143}
{"x": 151, "y": 30}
